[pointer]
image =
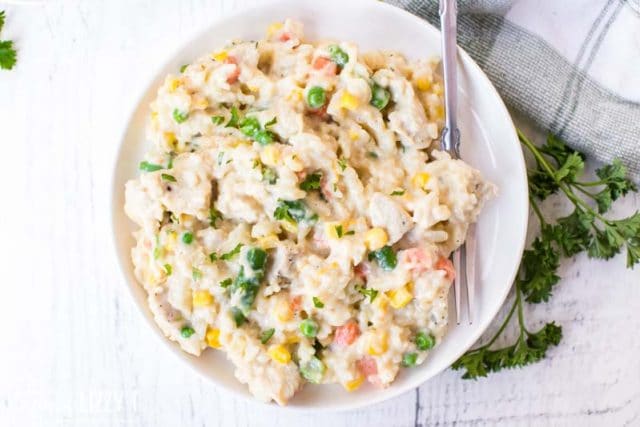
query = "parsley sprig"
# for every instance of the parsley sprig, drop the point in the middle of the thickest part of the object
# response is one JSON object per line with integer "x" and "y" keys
{"x": 557, "y": 171}
{"x": 7, "y": 51}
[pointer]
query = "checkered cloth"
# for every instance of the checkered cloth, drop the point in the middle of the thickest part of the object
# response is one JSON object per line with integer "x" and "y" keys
{"x": 573, "y": 67}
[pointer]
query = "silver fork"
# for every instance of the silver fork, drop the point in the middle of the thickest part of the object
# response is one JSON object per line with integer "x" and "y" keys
{"x": 463, "y": 258}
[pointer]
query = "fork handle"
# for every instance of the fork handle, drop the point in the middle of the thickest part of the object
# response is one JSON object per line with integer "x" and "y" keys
{"x": 449, "y": 27}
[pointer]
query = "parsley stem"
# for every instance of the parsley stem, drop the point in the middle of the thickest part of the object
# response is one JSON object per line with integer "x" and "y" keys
{"x": 566, "y": 189}
{"x": 537, "y": 211}
{"x": 585, "y": 192}
{"x": 502, "y": 327}
{"x": 589, "y": 184}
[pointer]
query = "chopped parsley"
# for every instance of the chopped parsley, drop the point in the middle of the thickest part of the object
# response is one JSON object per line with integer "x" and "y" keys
{"x": 293, "y": 211}
{"x": 342, "y": 162}
{"x": 397, "y": 193}
{"x": 232, "y": 253}
{"x": 233, "y": 121}
{"x": 317, "y": 303}
{"x": 266, "y": 335}
{"x": 311, "y": 182}
{"x": 196, "y": 273}
{"x": 179, "y": 116}
{"x": 226, "y": 282}
{"x": 217, "y": 120}
{"x": 368, "y": 292}
{"x": 385, "y": 257}
{"x": 149, "y": 167}
{"x": 167, "y": 177}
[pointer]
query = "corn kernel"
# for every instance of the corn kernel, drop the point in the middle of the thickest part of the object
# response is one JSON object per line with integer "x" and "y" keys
{"x": 291, "y": 227}
{"x": 270, "y": 155}
{"x": 269, "y": 241}
{"x": 171, "y": 239}
{"x": 400, "y": 297}
{"x": 354, "y": 384}
{"x": 279, "y": 353}
{"x": 349, "y": 101}
{"x": 202, "y": 298}
{"x": 420, "y": 179}
{"x": 274, "y": 28}
{"x": 213, "y": 337}
{"x": 423, "y": 83}
{"x": 173, "y": 84}
{"x": 295, "y": 95}
{"x": 375, "y": 238}
{"x": 283, "y": 311}
{"x": 220, "y": 56}
{"x": 330, "y": 229}
{"x": 169, "y": 137}
{"x": 354, "y": 135}
{"x": 293, "y": 338}
{"x": 378, "y": 343}
{"x": 381, "y": 303}
{"x": 201, "y": 104}
{"x": 438, "y": 112}
{"x": 154, "y": 116}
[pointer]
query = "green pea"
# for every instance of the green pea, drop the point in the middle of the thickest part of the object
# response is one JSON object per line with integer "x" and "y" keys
{"x": 316, "y": 97}
{"x": 257, "y": 258}
{"x": 409, "y": 359}
{"x": 309, "y": 328}
{"x": 313, "y": 370}
{"x": 187, "y": 331}
{"x": 424, "y": 341}
{"x": 338, "y": 55}
{"x": 379, "y": 96}
{"x": 187, "y": 238}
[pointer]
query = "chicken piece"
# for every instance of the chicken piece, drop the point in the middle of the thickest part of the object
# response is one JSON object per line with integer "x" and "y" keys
{"x": 385, "y": 212}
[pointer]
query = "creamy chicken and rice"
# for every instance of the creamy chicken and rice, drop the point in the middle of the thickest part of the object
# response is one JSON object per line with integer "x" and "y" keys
{"x": 295, "y": 212}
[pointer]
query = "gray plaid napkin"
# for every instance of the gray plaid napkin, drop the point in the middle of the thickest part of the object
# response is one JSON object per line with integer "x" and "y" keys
{"x": 591, "y": 101}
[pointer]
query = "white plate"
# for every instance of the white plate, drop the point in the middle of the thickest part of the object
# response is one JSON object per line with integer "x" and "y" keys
{"x": 489, "y": 143}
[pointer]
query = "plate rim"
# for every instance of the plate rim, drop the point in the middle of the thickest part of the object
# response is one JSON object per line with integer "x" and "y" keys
{"x": 114, "y": 204}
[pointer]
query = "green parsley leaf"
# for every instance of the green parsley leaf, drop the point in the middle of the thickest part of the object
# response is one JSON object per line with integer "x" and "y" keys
{"x": 149, "y": 167}
{"x": 232, "y": 253}
{"x": 368, "y": 292}
{"x": 266, "y": 335}
{"x": 311, "y": 182}
{"x": 7, "y": 55}
{"x": 372, "y": 154}
{"x": 317, "y": 303}
{"x": 217, "y": 120}
{"x": 183, "y": 67}
{"x": 385, "y": 257}
{"x": 235, "y": 116}
{"x": 238, "y": 316}
{"x": 339, "y": 231}
{"x": 196, "y": 273}
{"x": 342, "y": 162}
{"x": 168, "y": 269}
{"x": 2, "y": 17}
{"x": 269, "y": 175}
{"x": 180, "y": 116}
{"x": 293, "y": 211}
{"x": 226, "y": 282}
{"x": 167, "y": 177}
{"x": 214, "y": 216}
{"x": 397, "y": 193}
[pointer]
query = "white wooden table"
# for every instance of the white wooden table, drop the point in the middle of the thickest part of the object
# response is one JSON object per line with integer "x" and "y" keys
{"x": 74, "y": 350}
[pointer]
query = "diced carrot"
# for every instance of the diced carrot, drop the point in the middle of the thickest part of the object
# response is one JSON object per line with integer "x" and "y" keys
{"x": 285, "y": 36}
{"x": 233, "y": 76}
{"x": 320, "y": 112}
{"x": 296, "y": 303}
{"x": 446, "y": 265}
{"x": 361, "y": 270}
{"x": 321, "y": 63}
{"x": 346, "y": 334}
{"x": 367, "y": 366}
{"x": 324, "y": 188}
{"x": 416, "y": 259}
